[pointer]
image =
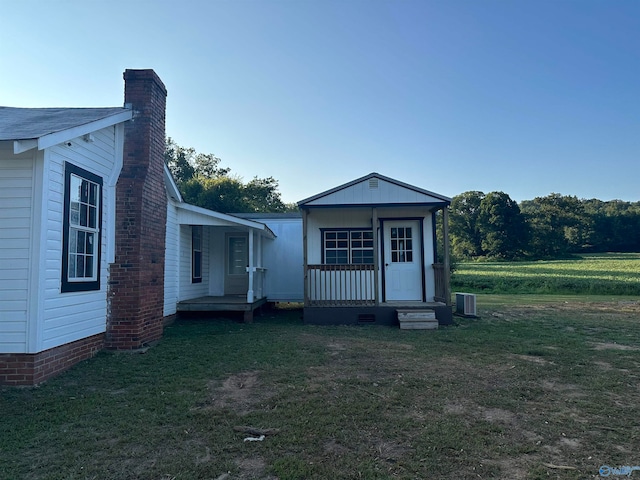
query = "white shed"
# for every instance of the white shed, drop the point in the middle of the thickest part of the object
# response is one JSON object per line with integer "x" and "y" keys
{"x": 370, "y": 248}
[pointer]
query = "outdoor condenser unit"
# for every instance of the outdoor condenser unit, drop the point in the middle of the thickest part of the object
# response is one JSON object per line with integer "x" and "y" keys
{"x": 466, "y": 304}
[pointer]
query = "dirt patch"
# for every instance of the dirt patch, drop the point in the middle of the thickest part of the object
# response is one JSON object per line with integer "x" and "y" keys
{"x": 567, "y": 389}
{"x": 251, "y": 468}
{"x": 613, "y": 346}
{"x": 531, "y": 358}
{"x": 241, "y": 392}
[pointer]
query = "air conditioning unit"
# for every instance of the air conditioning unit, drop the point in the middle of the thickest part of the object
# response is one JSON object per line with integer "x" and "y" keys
{"x": 466, "y": 304}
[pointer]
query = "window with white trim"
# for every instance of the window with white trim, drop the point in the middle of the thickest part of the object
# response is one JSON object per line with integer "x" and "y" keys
{"x": 347, "y": 247}
{"x": 81, "y": 230}
{"x": 196, "y": 254}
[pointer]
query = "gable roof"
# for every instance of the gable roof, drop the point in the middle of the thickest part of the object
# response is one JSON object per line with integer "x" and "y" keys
{"x": 374, "y": 189}
{"x": 43, "y": 127}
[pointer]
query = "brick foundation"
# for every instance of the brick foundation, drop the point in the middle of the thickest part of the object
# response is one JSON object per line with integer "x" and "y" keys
{"x": 136, "y": 278}
{"x": 31, "y": 369}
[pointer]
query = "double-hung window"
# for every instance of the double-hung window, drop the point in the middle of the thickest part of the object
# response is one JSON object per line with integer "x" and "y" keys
{"x": 347, "y": 247}
{"x": 81, "y": 230}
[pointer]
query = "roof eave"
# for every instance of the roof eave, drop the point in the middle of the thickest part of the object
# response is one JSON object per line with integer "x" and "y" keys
{"x": 261, "y": 227}
{"x": 21, "y": 145}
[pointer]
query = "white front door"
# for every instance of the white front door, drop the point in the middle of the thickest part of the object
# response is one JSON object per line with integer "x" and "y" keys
{"x": 236, "y": 276}
{"x": 402, "y": 260}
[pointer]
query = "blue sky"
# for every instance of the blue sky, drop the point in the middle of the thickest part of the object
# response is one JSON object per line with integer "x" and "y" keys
{"x": 525, "y": 97}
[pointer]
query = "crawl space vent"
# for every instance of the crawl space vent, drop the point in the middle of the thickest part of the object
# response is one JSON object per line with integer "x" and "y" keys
{"x": 366, "y": 318}
{"x": 373, "y": 183}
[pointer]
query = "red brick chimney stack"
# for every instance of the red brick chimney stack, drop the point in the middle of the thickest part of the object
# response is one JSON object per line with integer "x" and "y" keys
{"x": 136, "y": 282}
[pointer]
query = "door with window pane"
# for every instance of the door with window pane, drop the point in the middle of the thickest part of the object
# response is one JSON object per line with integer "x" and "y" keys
{"x": 402, "y": 260}
{"x": 237, "y": 260}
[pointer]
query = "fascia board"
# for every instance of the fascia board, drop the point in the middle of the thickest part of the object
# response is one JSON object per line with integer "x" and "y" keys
{"x": 55, "y": 138}
{"x": 171, "y": 184}
{"x": 21, "y": 146}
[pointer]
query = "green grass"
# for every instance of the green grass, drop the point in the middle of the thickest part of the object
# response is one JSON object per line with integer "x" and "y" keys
{"x": 597, "y": 274}
{"x": 524, "y": 387}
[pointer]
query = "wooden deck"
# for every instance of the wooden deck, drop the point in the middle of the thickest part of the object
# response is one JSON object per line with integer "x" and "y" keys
{"x": 227, "y": 303}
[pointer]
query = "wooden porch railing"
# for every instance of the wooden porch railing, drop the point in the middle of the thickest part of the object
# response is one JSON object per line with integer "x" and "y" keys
{"x": 440, "y": 283}
{"x": 340, "y": 285}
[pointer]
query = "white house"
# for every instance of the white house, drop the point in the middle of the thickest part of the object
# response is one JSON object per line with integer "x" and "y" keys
{"x": 99, "y": 250}
{"x": 58, "y": 174}
{"x": 97, "y": 247}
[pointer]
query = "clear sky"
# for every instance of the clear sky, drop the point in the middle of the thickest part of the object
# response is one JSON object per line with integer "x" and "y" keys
{"x": 525, "y": 97}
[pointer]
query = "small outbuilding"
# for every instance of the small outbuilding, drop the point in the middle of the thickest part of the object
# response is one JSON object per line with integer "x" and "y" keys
{"x": 370, "y": 248}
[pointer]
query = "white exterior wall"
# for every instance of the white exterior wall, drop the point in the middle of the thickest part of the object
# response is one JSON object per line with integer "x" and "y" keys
{"x": 187, "y": 289}
{"x": 332, "y": 218}
{"x": 67, "y": 317}
{"x": 282, "y": 257}
{"x": 17, "y": 179}
{"x": 374, "y": 192}
{"x": 171, "y": 261}
{"x": 217, "y": 249}
{"x": 361, "y": 218}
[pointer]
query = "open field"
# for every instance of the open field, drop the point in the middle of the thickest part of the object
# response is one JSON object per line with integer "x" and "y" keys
{"x": 538, "y": 391}
{"x": 597, "y": 274}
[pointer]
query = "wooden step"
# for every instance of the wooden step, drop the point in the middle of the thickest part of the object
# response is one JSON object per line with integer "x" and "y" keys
{"x": 417, "y": 319}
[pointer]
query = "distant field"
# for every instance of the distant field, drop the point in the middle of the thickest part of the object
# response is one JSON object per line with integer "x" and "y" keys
{"x": 595, "y": 274}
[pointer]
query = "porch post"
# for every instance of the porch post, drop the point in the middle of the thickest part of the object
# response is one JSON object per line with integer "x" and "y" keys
{"x": 445, "y": 240}
{"x": 250, "y": 268}
{"x": 376, "y": 280}
{"x": 259, "y": 264}
{"x": 305, "y": 212}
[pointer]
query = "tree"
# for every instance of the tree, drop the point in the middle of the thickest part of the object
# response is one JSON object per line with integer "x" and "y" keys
{"x": 502, "y": 226}
{"x": 558, "y": 223}
{"x": 204, "y": 183}
{"x": 185, "y": 163}
{"x": 466, "y": 239}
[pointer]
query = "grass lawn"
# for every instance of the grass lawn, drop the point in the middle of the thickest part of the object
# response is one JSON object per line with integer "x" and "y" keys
{"x": 595, "y": 274}
{"x": 549, "y": 389}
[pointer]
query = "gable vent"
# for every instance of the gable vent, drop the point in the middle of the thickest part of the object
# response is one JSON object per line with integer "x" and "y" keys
{"x": 373, "y": 183}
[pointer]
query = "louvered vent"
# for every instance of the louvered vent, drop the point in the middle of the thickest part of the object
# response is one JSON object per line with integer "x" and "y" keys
{"x": 373, "y": 183}
{"x": 466, "y": 304}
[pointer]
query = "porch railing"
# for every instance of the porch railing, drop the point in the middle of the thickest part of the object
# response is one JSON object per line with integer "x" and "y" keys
{"x": 440, "y": 283}
{"x": 256, "y": 283}
{"x": 340, "y": 285}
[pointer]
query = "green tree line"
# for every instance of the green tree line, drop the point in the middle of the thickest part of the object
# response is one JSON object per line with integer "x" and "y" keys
{"x": 203, "y": 182}
{"x": 493, "y": 225}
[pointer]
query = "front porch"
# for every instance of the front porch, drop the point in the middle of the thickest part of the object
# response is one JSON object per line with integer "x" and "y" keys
{"x": 225, "y": 303}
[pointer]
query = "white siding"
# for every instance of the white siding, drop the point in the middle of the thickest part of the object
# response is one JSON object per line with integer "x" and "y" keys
{"x": 16, "y": 217}
{"x": 332, "y": 218}
{"x": 384, "y": 192}
{"x": 171, "y": 261}
{"x": 361, "y": 218}
{"x": 217, "y": 255}
{"x": 71, "y": 316}
{"x": 282, "y": 257}
{"x": 190, "y": 290}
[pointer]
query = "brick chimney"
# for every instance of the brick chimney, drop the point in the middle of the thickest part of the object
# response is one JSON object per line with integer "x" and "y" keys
{"x": 136, "y": 278}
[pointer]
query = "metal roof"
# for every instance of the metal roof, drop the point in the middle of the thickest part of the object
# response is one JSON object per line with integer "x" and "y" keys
{"x": 34, "y": 123}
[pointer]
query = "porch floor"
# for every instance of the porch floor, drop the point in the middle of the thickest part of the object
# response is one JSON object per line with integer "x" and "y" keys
{"x": 226, "y": 303}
